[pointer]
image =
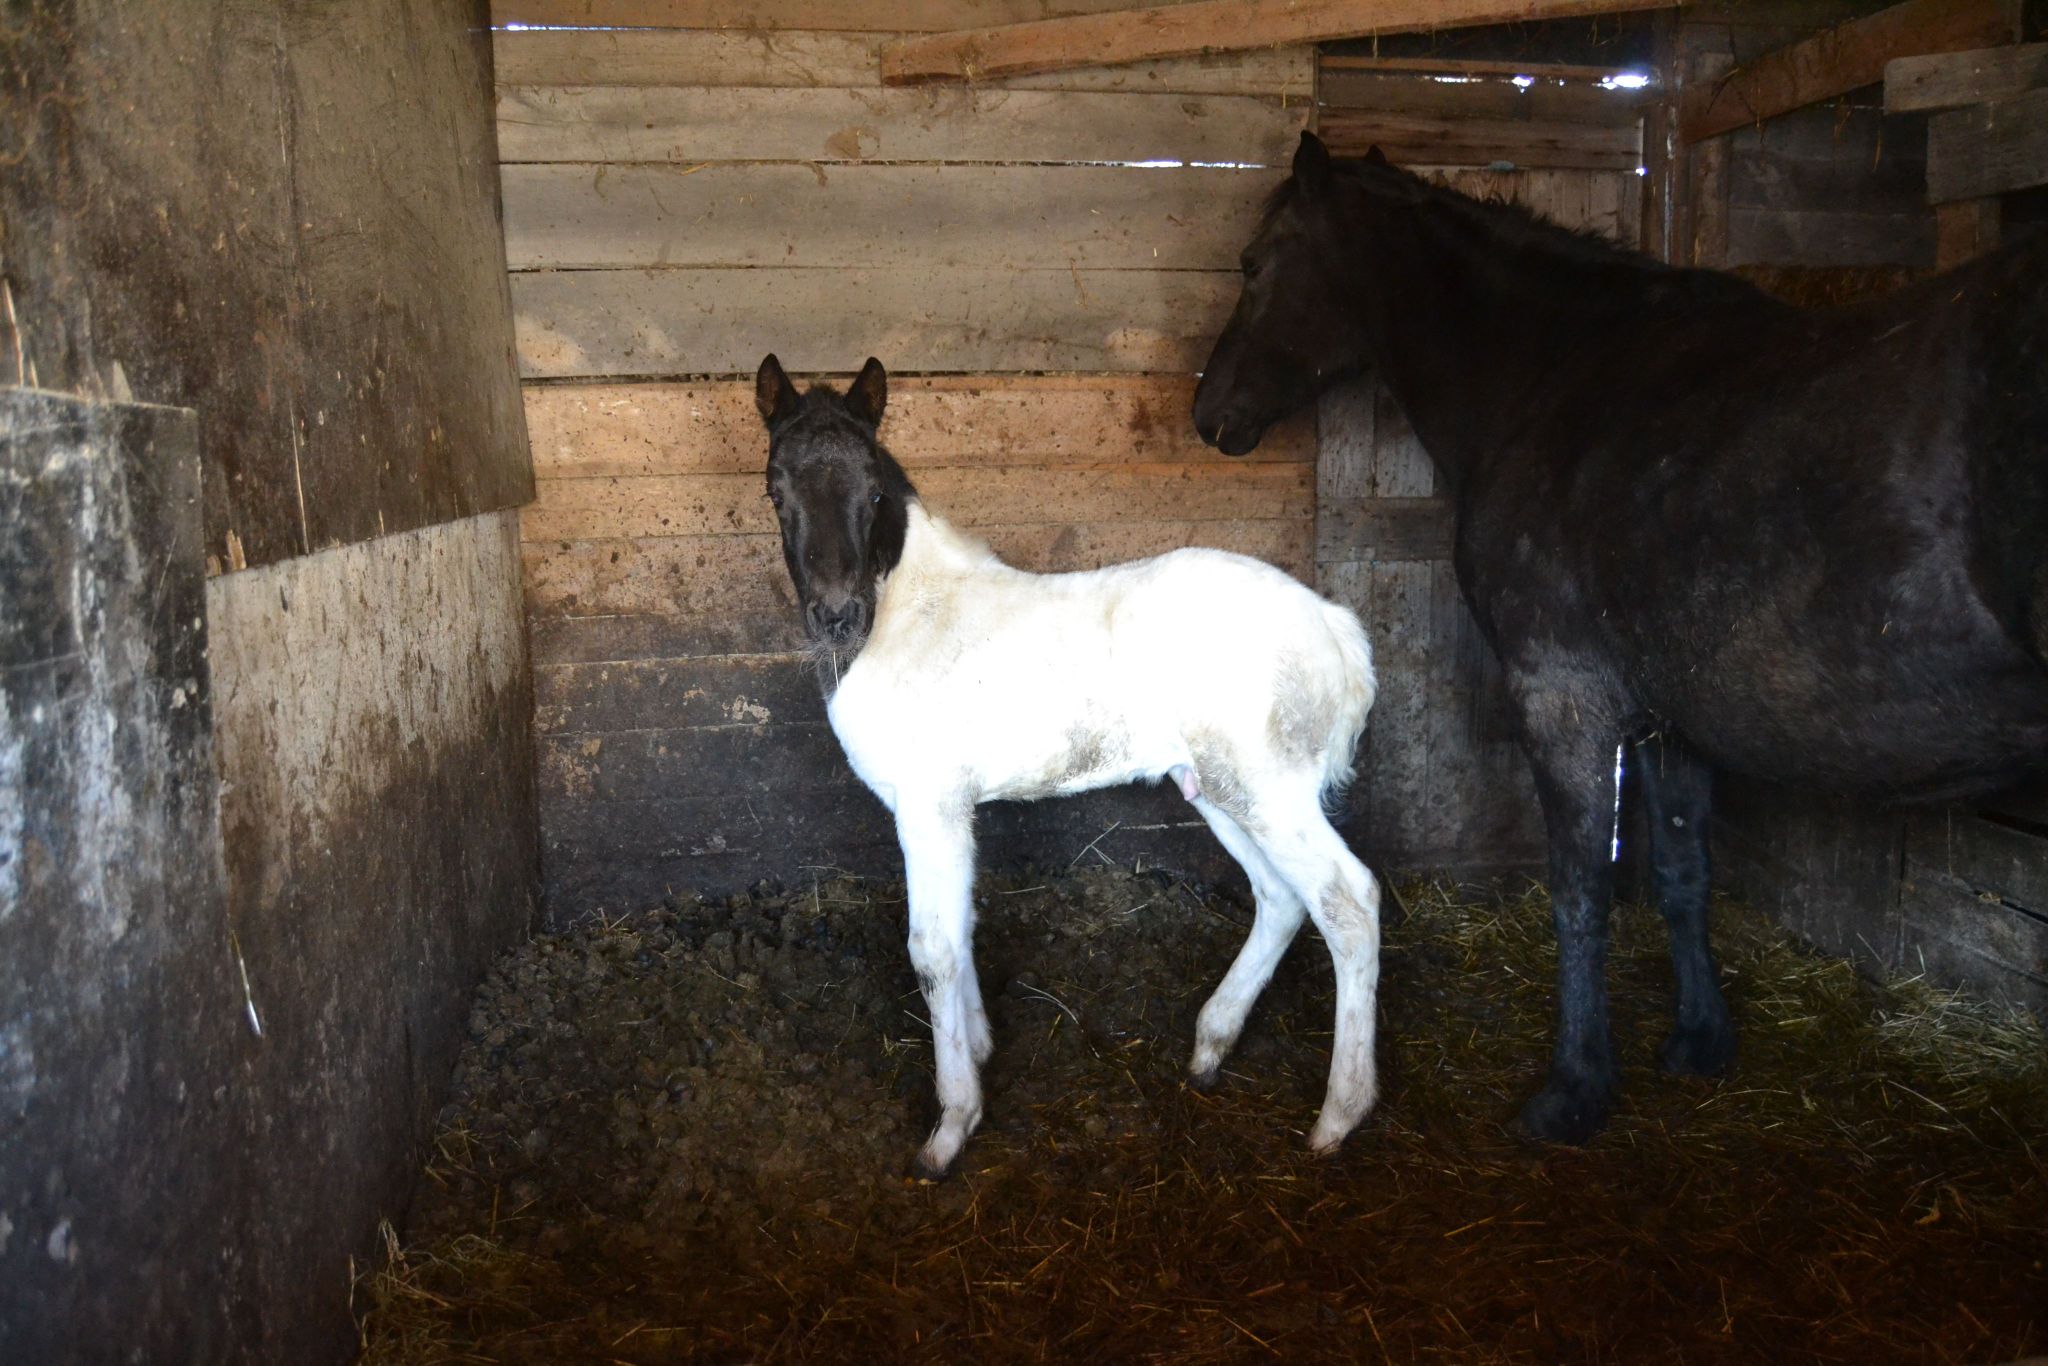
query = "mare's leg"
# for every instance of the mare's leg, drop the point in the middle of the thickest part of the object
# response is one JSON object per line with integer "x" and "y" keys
{"x": 1279, "y": 917}
{"x": 938, "y": 860}
{"x": 1679, "y": 791}
{"x": 1344, "y": 901}
{"x": 1573, "y": 756}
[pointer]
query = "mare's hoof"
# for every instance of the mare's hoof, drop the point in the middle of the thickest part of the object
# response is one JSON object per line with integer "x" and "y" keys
{"x": 1699, "y": 1050}
{"x": 1562, "y": 1114}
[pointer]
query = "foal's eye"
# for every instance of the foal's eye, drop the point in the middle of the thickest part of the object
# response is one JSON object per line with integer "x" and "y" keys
{"x": 775, "y": 497}
{"x": 876, "y": 499}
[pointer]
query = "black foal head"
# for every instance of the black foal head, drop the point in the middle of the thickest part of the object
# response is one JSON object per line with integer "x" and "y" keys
{"x": 1297, "y": 328}
{"x": 842, "y": 499}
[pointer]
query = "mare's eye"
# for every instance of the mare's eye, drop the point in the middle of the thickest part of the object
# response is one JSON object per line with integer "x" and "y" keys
{"x": 775, "y": 497}
{"x": 876, "y": 499}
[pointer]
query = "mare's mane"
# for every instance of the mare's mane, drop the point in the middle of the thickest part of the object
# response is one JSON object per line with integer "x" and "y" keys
{"x": 1496, "y": 236}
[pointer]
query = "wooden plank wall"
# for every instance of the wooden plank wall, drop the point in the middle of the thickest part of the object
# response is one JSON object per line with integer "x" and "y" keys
{"x": 1443, "y": 784}
{"x": 680, "y": 202}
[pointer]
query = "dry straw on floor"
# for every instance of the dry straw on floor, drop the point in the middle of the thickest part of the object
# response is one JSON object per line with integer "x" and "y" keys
{"x": 679, "y": 1136}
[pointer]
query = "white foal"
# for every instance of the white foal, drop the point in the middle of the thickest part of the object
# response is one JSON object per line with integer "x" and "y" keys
{"x": 956, "y": 679}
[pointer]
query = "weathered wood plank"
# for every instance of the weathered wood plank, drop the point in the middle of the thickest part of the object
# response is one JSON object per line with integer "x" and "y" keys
{"x": 1988, "y": 149}
{"x": 1202, "y": 26}
{"x": 676, "y": 693}
{"x": 1959, "y": 937}
{"x": 757, "y": 56}
{"x": 1986, "y": 855}
{"x": 718, "y": 504}
{"x": 971, "y": 319}
{"x": 694, "y": 595}
{"x": 932, "y": 422}
{"x": 1965, "y": 229}
{"x": 669, "y": 124}
{"x": 782, "y": 761}
{"x": 858, "y": 16}
{"x": 1345, "y": 433}
{"x": 873, "y": 217}
{"x": 1606, "y": 202}
{"x": 1408, "y": 139}
{"x": 1382, "y": 529}
{"x": 1841, "y": 59}
{"x": 1948, "y": 79}
{"x": 1547, "y": 100}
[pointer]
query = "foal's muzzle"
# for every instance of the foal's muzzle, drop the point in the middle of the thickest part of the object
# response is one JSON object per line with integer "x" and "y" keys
{"x": 837, "y": 624}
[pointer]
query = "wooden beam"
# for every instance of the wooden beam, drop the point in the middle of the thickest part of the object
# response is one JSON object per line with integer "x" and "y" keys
{"x": 1842, "y": 59}
{"x": 1988, "y": 149}
{"x": 1948, "y": 79}
{"x": 1201, "y": 26}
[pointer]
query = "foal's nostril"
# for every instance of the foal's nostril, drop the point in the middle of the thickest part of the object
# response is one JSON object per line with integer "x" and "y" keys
{"x": 835, "y": 623}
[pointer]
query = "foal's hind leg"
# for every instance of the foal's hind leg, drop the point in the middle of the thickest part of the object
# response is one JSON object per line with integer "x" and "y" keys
{"x": 1343, "y": 899}
{"x": 1679, "y": 792}
{"x": 1279, "y": 917}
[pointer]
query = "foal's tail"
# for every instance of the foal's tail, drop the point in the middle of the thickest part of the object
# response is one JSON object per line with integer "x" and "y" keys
{"x": 1358, "y": 687}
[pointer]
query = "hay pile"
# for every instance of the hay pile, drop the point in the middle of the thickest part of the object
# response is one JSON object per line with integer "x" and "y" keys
{"x": 682, "y": 1135}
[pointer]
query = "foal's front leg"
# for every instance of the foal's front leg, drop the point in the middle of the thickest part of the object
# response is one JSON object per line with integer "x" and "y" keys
{"x": 938, "y": 858}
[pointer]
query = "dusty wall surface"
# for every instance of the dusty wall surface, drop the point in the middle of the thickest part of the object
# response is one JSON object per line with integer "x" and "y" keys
{"x": 121, "y": 1023}
{"x": 282, "y": 215}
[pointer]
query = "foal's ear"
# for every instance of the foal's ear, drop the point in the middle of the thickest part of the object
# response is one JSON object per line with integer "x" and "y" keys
{"x": 774, "y": 395}
{"x": 1375, "y": 157}
{"x": 870, "y": 392}
{"x": 1312, "y": 164}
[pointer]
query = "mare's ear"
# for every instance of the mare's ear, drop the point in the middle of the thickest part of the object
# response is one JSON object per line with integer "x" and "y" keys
{"x": 1375, "y": 157}
{"x": 869, "y": 394}
{"x": 774, "y": 395}
{"x": 1312, "y": 165}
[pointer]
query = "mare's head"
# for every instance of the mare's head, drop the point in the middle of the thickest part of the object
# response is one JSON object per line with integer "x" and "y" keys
{"x": 1298, "y": 328}
{"x": 842, "y": 500}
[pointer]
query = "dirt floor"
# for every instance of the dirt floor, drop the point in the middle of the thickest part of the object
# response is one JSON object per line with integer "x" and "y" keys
{"x": 682, "y": 1135}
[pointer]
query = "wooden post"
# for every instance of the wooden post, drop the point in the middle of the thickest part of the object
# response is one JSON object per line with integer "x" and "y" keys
{"x": 1965, "y": 229}
{"x": 1707, "y": 175}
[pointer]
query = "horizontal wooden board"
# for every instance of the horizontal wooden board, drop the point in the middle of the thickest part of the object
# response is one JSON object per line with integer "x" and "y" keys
{"x": 755, "y": 56}
{"x": 932, "y": 422}
{"x": 718, "y": 504}
{"x": 1349, "y": 529}
{"x": 1949, "y": 79}
{"x": 911, "y": 16}
{"x": 1958, "y": 936}
{"x": 693, "y": 595}
{"x": 1056, "y": 43}
{"x": 919, "y": 217}
{"x": 1544, "y": 100}
{"x": 669, "y": 694}
{"x": 1988, "y": 148}
{"x": 1410, "y": 139}
{"x": 1988, "y": 856}
{"x": 971, "y": 319}
{"x": 692, "y": 125}
{"x": 695, "y": 761}
{"x": 1334, "y": 63}
{"x": 613, "y": 856}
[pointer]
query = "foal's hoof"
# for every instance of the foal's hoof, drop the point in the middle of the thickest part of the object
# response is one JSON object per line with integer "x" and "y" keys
{"x": 925, "y": 1172}
{"x": 1699, "y": 1050}
{"x": 1563, "y": 1114}
{"x": 1205, "y": 1080}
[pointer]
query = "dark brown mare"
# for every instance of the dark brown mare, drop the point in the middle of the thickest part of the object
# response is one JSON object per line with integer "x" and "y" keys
{"x": 1733, "y": 534}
